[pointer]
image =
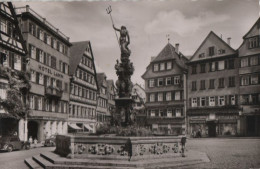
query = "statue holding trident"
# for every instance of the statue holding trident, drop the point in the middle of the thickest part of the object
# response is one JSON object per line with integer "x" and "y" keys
{"x": 124, "y": 71}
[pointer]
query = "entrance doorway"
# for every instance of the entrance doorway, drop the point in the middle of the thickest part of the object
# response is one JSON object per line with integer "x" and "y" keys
{"x": 251, "y": 125}
{"x": 212, "y": 128}
{"x": 33, "y": 129}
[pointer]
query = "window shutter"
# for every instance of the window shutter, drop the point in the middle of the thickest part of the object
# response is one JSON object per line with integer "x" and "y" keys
{"x": 173, "y": 95}
{"x": 155, "y": 82}
{"x": 216, "y": 65}
{"x": 62, "y": 107}
{"x": 190, "y": 102}
{"x": 37, "y": 77}
{"x": 43, "y": 104}
{"x": 210, "y": 65}
{"x": 36, "y": 102}
{"x": 216, "y": 100}
{"x": 30, "y": 27}
{"x": 226, "y": 100}
{"x": 56, "y": 106}
{"x": 30, "y": 50}
{"x": 226, "y": 64}
{"x": 45, "y": 58}
{"x": 38, "y": 33}
{"x": 37, "y": 54}
{"x": 207, "y": 101}
{"x": 198, "y": 101}
{"x": 236, "y": 99}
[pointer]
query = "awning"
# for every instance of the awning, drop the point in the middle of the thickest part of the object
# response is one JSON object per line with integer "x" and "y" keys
{"x": 74, "y": 126}
{"x": 88, "y": 127}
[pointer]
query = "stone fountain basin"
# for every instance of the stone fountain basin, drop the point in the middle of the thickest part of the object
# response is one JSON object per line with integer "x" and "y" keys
{"x": 117, "y": 147}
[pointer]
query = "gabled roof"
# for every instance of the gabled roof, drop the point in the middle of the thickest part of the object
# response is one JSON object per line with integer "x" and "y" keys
{"x": 76, "y": 53}
{"x": 211, "y": 33}
{"x": 168, "y": 52}
{"x": 257, "y": 22}
{"x": 101, "y": 77}
{"x": 110, "y": 83}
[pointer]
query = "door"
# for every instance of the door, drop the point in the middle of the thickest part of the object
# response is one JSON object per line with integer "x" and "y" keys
{"x": 251, "y": 125}
{"x": 212, "y": 128}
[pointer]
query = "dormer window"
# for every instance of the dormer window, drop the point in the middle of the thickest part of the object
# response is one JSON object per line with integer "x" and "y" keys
{"x": 221, "y": 51}
{"x": 155, "y": 67}
{"x": 211, "y": 51}
{"x": 169, "y": 65}
{"x": 202, "y": 55}
{"x": 253, "y": 42}
{"x": 162, "y": 66}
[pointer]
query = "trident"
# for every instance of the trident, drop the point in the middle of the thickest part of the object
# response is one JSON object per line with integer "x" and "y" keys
{"x": 109, "y": 10}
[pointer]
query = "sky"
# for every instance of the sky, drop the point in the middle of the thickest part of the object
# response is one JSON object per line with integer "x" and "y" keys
{"x": 148, "y": 21}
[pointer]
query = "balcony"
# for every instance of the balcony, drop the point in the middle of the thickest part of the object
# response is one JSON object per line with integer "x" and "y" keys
{"x": 51, "y": 91}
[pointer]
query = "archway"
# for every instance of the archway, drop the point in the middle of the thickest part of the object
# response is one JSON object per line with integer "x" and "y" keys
{"x": 33, "y": 129}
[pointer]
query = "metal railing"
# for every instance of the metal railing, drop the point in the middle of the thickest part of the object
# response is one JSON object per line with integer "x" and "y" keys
{"x": 27, "y": 8}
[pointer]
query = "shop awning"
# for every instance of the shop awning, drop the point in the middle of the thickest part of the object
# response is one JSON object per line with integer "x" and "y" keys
{"x": 88, "y": 127}
{"x": 74, "y": 126}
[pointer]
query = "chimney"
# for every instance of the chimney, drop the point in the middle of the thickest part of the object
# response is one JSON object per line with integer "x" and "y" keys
{"x": 177, "y": 48}
{"x": 152, "y": 58}
{"x": 228, "y": 41}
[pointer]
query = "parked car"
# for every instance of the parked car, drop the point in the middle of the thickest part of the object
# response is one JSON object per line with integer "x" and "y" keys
{"x": 10, "y": 143}
{"x": 51, "y": 141}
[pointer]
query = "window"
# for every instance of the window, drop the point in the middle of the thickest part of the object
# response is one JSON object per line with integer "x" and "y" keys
{"x": 168, "y": 81}
{"x": 244, "y": 62}
{"x": 254, "y": 79}
{"x": 48, "y": 37}
{"x": 53, "y": 62}
{"x": 152, "y": 97}
{"x": 168, "y": 96}
{"x": 194, "y": 86}
{"x": 39, "y": 103}
{"x": 212, "y": 67}
{"x": 202, "y": 55}
{"x": 32, "y": 29}
{"x": 178, "y": 112}
{"x": 212, "y": 101}
{"x": 221, "y": 83}
{"x": 41, "y": 35}
{"x": 194, "y": 102}
{"x": 176, "y": 80}
{"x": 202, "y": 85}
{"x": 232, "y": 100}
{"x": 221, "y": 100}
{"x": 211, "y": 83}
{"x": 31, "y": 102}
{"x": 152, "y": 113}
{"x": 33, "y": 76}
{"x": 162, "y": 66}
{"x": 202, "y": 101}
{"x": 160, "y": 97}
{"x": 231, "y": 81}
{"x": 160, "y": 82}
{"x": 169, "y": 65}
{"x": 40, "y": 78}
{"x": 253, "y": 42}
{"x": 3, "y": 25}
{"x": 202, "y": 68}
{"x": 253, "y": 60}
{"x": 194, "y": 69}
{"x": 3, "y": 87}
{"x": 17, "y": 62}
{"x": 32, "y": 51}
{"x": 155, "y": 67}
{"x": 244, "y": 80}
{"x": 211, "y": 51}
{"x": 221, "y": 65}
{"x": 231, "y": 64}
{"x": 151, "y": 83}
{"x": 177, "y": 95}
{"x": 169, "y": 112}
{"x": 221, "y": 51}
{"x": 41, "y": 56}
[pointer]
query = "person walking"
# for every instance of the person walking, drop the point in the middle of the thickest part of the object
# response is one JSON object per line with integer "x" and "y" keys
{"x": 30, "y": 140}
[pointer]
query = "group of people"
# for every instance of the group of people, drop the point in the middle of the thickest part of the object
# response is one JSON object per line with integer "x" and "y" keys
{"x": 33, "y": 141}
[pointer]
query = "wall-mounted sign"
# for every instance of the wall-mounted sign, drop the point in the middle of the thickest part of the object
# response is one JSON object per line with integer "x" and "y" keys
{"x": 49, "y": 71}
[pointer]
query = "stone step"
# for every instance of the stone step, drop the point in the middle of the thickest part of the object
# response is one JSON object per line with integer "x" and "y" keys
{"x": 174, "y": 164}
{"x": 42, "y": 161}
{"x": 32, "y": 164}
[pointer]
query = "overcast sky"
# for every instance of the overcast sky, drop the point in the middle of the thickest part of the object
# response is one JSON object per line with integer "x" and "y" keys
{"x": 187, "y": 21}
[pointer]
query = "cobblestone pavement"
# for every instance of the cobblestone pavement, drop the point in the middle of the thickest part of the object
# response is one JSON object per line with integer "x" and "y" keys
{"x": 227, "y": 153}
{"x": 15, "y": 159}
{"x": 224, "y": 153}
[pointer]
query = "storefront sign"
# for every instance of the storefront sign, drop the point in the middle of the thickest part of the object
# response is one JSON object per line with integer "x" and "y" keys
{"x": 49, "y": 71}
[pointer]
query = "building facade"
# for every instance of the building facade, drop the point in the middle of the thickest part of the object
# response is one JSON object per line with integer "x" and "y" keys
{"x": 12, "y": 62}
{"x": 83, "y": 89}
{"x": 48, "y": 50}
{"x": 111, "y": 94}
{"x": 165, "y": 83}
{"x": 139, "y": 97}
{"x": 103, "y": 115}
{"x": 249, "y": 74}
{"x": 213, "y": 88}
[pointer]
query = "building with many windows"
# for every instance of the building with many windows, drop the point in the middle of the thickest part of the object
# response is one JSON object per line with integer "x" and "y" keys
{"x": 165, "y": 83}
{"x": 12, "y": 62}
{"x": 111, "y": 94}
{"x": 103, "y": 115}
{"x": 83, "y": 88}
{"x": 213, "y": 88}
{"x": 249, "y": 74}
{"x": 48, "y": 50}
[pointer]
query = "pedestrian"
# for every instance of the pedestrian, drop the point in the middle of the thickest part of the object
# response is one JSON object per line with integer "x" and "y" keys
{"x": 183, "y": 142}
{"x": 35, "y": 142}
{"x": 30, "y": 140}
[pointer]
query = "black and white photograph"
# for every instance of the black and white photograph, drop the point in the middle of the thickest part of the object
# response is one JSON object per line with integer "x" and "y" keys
{"x": 125, "y": 84}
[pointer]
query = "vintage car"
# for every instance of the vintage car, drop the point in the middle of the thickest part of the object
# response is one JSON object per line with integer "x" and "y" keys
{"x": 51, "y": 141}
{"x": 10, "y": 143}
